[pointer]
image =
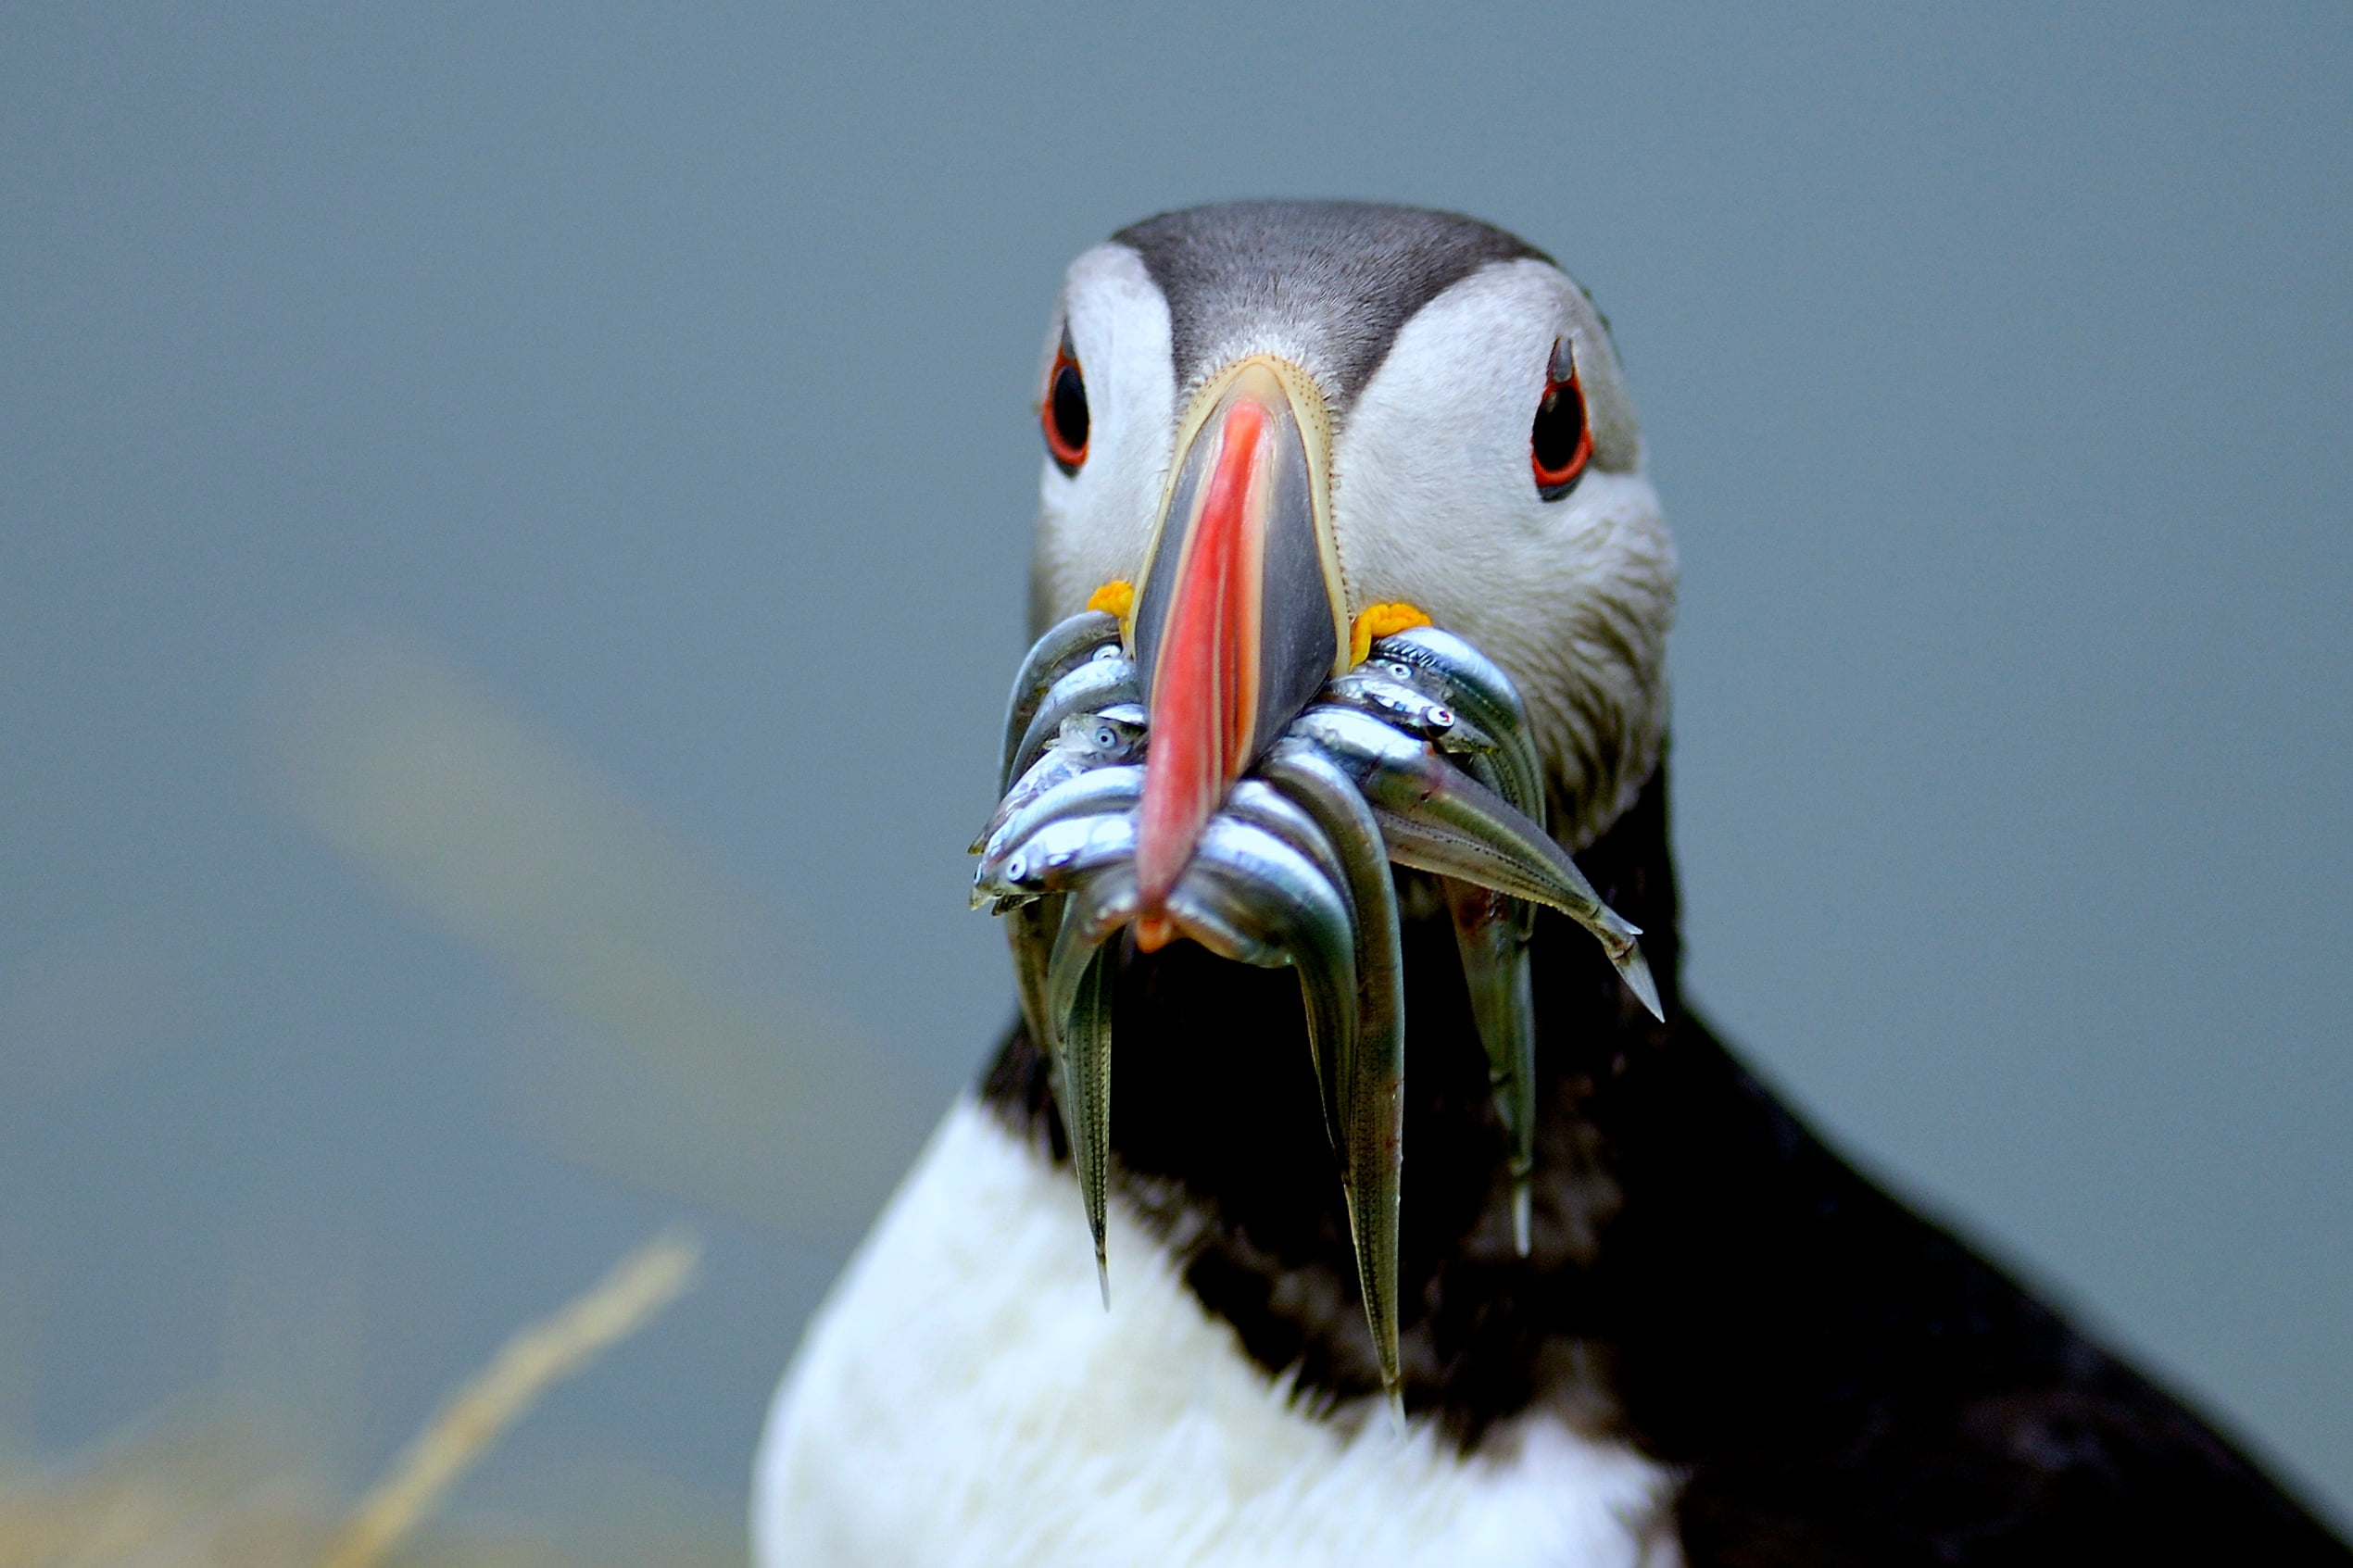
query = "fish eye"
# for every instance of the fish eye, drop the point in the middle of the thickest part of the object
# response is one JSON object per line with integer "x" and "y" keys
{"x": 1063, "y": 413}
{"x": 1559, "y": 443}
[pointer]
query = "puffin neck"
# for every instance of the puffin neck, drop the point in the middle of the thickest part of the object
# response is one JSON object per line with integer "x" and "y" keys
{"x": 1220, "y": 1145}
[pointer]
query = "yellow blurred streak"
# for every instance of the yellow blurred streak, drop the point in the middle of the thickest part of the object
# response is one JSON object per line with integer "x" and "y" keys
{"x": 224, "y": 1491}
{"x": 636, "y": 1290}
{"x": 702, "y": 1073}
{"x": 238, "y": 1483}
{"x": 193, "y": 1496}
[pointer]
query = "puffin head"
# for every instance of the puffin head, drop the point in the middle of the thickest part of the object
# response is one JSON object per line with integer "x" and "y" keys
{"x": 1275, "y": 429}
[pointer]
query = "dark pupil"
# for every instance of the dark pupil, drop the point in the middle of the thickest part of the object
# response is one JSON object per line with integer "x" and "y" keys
{"x": 1070, "y": 408}
{"x": 1560, "y": 422}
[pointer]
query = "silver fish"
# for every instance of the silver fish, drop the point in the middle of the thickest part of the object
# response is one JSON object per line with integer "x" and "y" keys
{"x": 1089, "y": 686}
{"x": 1082, "y": 1068}
{"x": 1490, "y": 931}
{"x": 1495, "y": 973}
{"x": 1246, "y": 881}
{"x": 1479, "y": 753}
{"x": 1476, "y": 688}
{"x": 1372, "y": 688}
{"x": 1414, "y": 700}
{"x": 1086, "y": 741}
{"x": 1364, "y": 1090}
{"x": 1436, "y": 817}
{"x": 1490, "y": 768}
{"x": 1489, "y": 694}
{"x": 1048, "y": 660}
{"x": 1030, "y": 926}
{"x": 1248, "y": 895}
{"x": 1259, "y": 803}
{"x": 1078, "y": 999}
{"x": 1090, "y": 792}
{"x": 1059, "y": 856}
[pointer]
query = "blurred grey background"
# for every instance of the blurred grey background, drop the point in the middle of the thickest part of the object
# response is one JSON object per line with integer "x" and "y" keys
{"x": 512, "y": 539}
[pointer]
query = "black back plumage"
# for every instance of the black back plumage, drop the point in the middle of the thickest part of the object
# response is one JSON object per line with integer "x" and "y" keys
{"x": 1840, "y": 1380}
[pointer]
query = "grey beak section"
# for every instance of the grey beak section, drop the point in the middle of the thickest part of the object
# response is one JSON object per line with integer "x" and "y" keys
{"x": 1298, "y": 633}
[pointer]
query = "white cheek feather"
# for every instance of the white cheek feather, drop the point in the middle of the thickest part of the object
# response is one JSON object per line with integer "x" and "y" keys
{"x": 964, "y": 1401}
{"x": 1093, "y": 527}
{"x": 1434, "y": 504}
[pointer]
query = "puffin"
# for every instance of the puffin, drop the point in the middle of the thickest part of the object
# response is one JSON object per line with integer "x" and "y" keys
{"x": 1429, "y": 1224}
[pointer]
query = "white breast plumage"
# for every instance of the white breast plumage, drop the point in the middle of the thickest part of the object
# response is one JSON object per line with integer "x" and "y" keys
{"x": 963, "y": 1398}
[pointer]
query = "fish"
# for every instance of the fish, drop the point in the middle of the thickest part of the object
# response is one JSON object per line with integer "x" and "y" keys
{"x": 1064, "y": 644}
{"x": 1106, "y": 678}
{"x": 1476, "y": 687}
{"x": 1088, "y": 793}
{"x": 1436, "y": 817}
{"x": 1115, "y": 735}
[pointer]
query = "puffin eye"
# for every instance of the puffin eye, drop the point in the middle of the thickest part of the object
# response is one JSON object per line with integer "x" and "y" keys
{"x": 1064, "y": 412}
{"x": 1559, "y": 445}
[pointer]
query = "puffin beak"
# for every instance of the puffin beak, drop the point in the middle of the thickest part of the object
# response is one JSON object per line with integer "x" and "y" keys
{"x": 1241, "y": 617}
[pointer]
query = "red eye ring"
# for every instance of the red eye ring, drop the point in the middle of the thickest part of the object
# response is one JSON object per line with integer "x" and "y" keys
{"x": 1560, "y": 442}
{"x": 1062, "y": 411}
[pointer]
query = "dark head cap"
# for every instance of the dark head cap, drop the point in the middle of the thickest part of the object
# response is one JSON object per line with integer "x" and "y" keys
{"x": 1336, "y": 279}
